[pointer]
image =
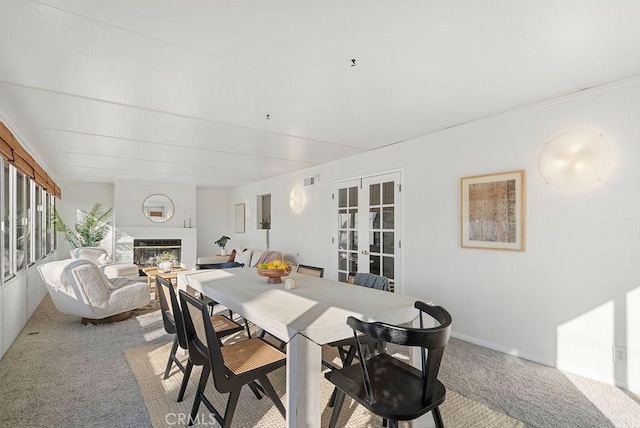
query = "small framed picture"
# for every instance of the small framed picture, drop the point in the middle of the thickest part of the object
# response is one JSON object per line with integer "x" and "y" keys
{"x": 493, "y": 211}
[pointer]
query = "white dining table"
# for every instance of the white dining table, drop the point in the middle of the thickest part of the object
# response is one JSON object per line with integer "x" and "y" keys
{"x": 312, "y": 314}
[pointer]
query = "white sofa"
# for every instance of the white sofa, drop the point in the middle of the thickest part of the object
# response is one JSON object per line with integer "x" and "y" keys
{"x": 100, "y": 257}
{"x": 248, "y": 257}
{"x": 78, "y": 287}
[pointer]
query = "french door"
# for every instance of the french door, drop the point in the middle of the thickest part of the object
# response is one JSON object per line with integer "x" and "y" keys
{"x": 367, "y": 230}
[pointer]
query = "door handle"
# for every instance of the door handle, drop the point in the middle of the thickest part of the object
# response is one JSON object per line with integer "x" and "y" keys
{"x": 365, "y": 252}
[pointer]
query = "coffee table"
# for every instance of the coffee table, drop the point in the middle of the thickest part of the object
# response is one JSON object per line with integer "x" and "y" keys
{"x": 153, "y": 271}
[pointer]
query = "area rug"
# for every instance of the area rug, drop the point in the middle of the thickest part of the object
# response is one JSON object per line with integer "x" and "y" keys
{"x": 148, "y": 364}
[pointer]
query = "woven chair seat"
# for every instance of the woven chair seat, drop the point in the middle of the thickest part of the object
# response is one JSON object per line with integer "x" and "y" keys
{"x": 222, "y": 323}
{"x": 249, "y": 355}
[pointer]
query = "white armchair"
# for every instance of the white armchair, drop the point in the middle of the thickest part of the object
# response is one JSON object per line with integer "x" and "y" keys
{"x": 78, "y": 287}
{"x": 100, "y": 257}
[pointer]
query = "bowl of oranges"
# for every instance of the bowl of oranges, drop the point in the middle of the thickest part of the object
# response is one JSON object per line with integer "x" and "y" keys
{"x": 274, "y": 271}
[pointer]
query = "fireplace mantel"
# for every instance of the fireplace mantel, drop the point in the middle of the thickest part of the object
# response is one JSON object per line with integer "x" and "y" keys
{"x": 125, "y": 236}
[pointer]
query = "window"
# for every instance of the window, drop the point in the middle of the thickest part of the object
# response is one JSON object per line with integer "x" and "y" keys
{"x": 7, "y": 270}
{"x": 26, "y": 225}
{"x": 39, "y": 241}
{"x": 47, "y": 221}
{"x": 263, "y": 210}
{"x": 21, "y": 224}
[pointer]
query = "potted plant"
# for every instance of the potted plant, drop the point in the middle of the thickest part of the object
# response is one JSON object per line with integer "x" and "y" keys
{"x": 222, "y": 242}
{"x": 166, "y": 260}
{"x": 90, "y": 229}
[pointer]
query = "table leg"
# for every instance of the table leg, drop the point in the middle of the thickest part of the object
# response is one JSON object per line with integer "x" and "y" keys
{"x": 304, "y": 378}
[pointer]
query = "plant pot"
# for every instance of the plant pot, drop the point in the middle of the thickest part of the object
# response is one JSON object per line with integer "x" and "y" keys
{"x": 223, "y": 252}
{"x": 165, "y": 266}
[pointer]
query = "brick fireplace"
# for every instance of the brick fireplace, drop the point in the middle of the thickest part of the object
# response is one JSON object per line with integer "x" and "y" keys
{"x": 125, "y": 237}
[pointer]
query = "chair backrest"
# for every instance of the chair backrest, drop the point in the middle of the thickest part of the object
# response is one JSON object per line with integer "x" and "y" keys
{"x": 369, "y": 280}
{"x": 202, "y": 341}
{"x": 226, "y": 265}
{"x": 311, "y": 270}
{"x": 92, "y": 254}
{"x": 171, "y": 311}
{"x": 431, "y": 340}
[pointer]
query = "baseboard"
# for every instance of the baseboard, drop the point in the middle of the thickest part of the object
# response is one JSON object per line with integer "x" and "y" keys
{"x": 516, "y": 353}
{"x": 504, "y": 349}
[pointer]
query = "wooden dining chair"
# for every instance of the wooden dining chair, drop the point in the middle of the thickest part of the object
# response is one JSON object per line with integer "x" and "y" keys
{"x": 231, "y": 366}
{"x": 173, "y": 324}
{"x": 389, "y": 387}
{"x": 311, "y": 270}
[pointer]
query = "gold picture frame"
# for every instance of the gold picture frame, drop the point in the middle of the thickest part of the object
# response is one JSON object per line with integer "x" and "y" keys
{"x": 493, "y": 211}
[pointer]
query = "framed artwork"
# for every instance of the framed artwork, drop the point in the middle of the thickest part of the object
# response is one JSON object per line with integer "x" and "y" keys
{"x": 239, "y": 218}
{"x": 493, "y": 211}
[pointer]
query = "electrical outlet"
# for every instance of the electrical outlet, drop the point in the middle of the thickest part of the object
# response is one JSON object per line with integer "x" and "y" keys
{"x": 619, "y": 354}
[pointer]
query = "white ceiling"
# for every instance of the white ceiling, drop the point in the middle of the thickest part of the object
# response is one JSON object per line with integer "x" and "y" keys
{"x": 178, "y": 91}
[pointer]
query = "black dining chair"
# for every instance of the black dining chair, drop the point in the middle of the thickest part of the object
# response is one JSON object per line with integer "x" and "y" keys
{"x": 173, "y": 324}
{"x": 389, "y": 387}
{"x": 346, "y": 347}
{"x": 231, "y": 366}
{"x": 212, "y": 303}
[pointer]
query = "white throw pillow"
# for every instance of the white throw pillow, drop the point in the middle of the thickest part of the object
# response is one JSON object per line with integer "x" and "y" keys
{"x": 243, "y": 256}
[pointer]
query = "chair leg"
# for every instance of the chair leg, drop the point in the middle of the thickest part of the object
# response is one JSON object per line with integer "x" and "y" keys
{"x": 393, "y": 423}
{"x": 231, "y": 408}
{"x": 256, "y": 389}
{"x": 246, "y": 327}
{"x": 268, "y": 389}
{"x": 199, "y": 393}
{"x": 339, "y": 400}
{"x": 437, "y": 417}
{"x": 172, "y": 354}
{"x": 185, "y": 380}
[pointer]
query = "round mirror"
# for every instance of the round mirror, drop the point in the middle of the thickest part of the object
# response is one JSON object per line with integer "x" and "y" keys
{"x": 158, "y": 208}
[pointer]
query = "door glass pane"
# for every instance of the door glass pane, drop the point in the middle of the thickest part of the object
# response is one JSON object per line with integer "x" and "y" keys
{"x": 374, "y": 194}
{"x": 342, "y": 240}
{"x": 342, "y": 260}
{"x": 353, "y": 219}
{"x": 374, "y": 242}
{"x": 343, "y": 219}
{"x": 388, "y": 192}
{"x": 374, "y": 218}
{"x": 388, "y": 244}
{"x": 342, "y": 198}
{"x": 353, "y": 196}
{"x": 342, "y": 277}
{"x": 374, "y": 265}
{"x": 388, "y": 218}
{"x": 353, "y": 262}
{"x": 387, "y": 267}
{"x": 353, "y": 239}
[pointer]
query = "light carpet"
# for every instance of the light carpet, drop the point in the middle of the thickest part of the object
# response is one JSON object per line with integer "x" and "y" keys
{"x": 148, "y": 364}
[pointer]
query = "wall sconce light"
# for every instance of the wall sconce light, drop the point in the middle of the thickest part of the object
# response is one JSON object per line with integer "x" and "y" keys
{"x": 575, "y": 160}
{"x": 296, "y": 199}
